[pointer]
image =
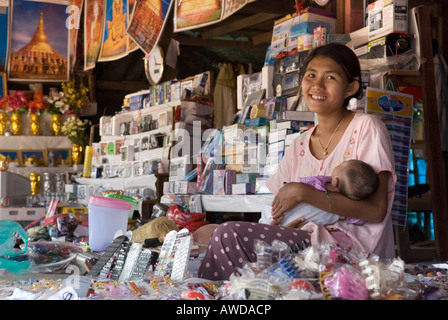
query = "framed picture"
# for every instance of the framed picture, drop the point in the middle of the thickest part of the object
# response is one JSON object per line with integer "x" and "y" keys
{"x": 147, "y": 22}
{"x": 48, "y": 61}
{"x": 115, "y": 38}
{"x": 96, "y": 149}
{"x": 185, "y": 89}
{"x": 71, "y": 176}
{"x": 124, "y": 153}
{"x": 33, "y": 158}
{"x": 93, "y": 32}
{"x": 12, "y": 157}
{"x": 137, "y": 145}
{"x": 82, "y": 193}
{"x": 3, "y": 87}
{"x": 118, "y": 145}
{"x": 4, "y": 15}
{"x": 103, "y": 148}
{"x": 163, "y": 119}
{"x": 59, "y": 157}
{"x": 111, "y": 148}
{"x": 144, "y": 143}
{"x": 194, "y": 14}
{"x": 75, "y": 19}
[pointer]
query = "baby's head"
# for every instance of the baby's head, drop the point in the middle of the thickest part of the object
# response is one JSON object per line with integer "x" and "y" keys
{"x": 355, "y": 179}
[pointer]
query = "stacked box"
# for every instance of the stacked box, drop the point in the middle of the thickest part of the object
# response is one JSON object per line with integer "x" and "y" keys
{"x": 387, "y": 16}
{"x": 233, "y": 134}
{"x": 319, "y": 36}
{"x": 260, "y": 185}
{"x": 230, "y": 179}
{"x": 311, "y": 14}
{"x": 175, "y": 92}
{"x": 243, "y": 188}
{"x": 179, "y": 168}
{"x": 219, "y": 182}
{"x": 246, "y": 178}
{"x": 136, "y": 99}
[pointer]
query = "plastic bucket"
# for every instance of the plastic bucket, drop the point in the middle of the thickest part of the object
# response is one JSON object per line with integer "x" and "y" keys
{"x": 106, "y": 217}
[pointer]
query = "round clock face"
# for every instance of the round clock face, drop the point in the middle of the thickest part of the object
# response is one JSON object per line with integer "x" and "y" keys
{"x": 154, "y": 66}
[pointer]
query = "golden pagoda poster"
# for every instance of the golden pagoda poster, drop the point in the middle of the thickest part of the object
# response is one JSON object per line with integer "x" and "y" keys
{"x": 39, "y": 41}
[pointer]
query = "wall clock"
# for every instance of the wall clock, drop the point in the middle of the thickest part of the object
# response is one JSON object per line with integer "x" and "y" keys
{"x": 322, "y": 2}
{"x": 154, "y": 63}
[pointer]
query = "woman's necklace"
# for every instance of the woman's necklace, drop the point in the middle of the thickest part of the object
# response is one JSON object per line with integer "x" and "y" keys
{"x": 325, "y": 149}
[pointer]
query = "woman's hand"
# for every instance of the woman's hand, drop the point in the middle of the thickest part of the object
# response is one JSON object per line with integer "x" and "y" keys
{"x": 287, "y": 197}
{"x": 297, "y": 223}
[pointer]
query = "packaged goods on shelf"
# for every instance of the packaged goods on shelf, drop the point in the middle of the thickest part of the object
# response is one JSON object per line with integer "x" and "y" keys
{"x": 311, "y": 14}
{"x": 387, "y": 16}
{"x": 219, "y": 182}
{"x": 245, "y": 178}
{"x": 136, "y": 99}
{"x": 179, "y": 168}
{"x": 243, "y": 188}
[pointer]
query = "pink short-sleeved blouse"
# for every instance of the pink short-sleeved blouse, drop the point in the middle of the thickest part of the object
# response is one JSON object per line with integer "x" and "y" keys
{"x": 366, "y": 138}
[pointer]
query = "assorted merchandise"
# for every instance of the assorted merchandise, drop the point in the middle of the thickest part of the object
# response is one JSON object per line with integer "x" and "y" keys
{"x": 129, "y": 271}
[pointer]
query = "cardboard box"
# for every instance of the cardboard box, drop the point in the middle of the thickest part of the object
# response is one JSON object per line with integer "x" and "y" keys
{"x": 312, "y": 14}
{"x": 233, "y": 134}
{"x": 118, "y": 124}
{"x": 305, "y": 42}
{"x": 274, "y": 106}
{"x": 135, "y": 99}
{"x": 267, "y": 75}
{"x": 293, "y": 125}
{"x": 387, "y": 16}
{"x": 127, "y": 153}
{"x": 260, "y": 185}
{"x": 243, "y": 188}
{"x": 168, "y": 187}
{"x": 307, "y": 28}
{"x": 21, "y": 214}
{"x": 230, "y": 179}
{"x": 179, "y": 168}
{"x": 219, "y": 182}
{"x": 105, "y": 126}
{"x": 277, "y": 146}
{"x": 175, "y": 92}
{"x": 278, "y": 135}
{"x": 256, "y": 122}
{"x": 250, "y": 168}
{"x": 319, "y": 36}
{"x": 281, "y": 35}
{"x": 184, "y": 187}
{"x": 338, "y": 38}
{"x": 246, "y": 178}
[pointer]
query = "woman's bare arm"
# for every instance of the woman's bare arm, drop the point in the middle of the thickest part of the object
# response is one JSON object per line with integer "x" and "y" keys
{"x": 372, "y": 209}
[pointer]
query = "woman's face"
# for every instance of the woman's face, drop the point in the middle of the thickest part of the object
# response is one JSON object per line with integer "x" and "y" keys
{"x": 324, "y": 86}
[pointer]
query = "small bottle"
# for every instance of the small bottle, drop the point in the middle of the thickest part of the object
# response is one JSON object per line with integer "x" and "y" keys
{"x": 87, "y": 170}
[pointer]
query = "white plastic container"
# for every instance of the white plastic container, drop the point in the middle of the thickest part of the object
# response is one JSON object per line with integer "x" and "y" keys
{"x": 106, "y": 217}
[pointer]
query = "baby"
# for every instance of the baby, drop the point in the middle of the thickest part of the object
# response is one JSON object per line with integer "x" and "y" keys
{"x": 353, "y": 178}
